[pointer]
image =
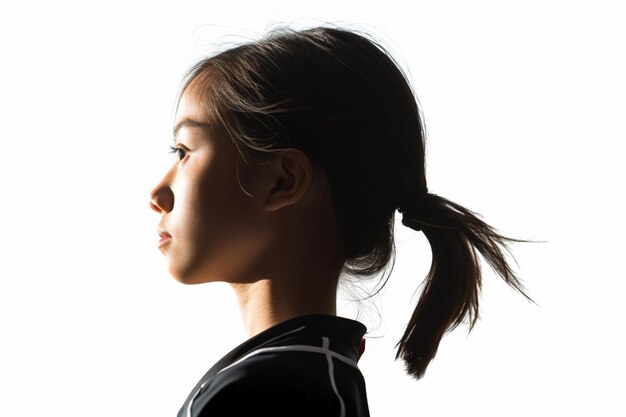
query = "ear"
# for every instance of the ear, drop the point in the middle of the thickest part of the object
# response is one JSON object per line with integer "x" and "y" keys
{"x": 289, "y": 176}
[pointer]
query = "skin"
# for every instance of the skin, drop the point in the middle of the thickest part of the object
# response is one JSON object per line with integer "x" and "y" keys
{"x": 275, "y": 243}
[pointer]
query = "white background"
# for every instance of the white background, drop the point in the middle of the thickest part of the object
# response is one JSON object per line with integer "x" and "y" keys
{"x": 524, "y": 105}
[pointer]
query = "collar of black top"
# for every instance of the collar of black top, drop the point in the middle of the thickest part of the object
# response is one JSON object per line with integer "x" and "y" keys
{"x": 345, "y": 337}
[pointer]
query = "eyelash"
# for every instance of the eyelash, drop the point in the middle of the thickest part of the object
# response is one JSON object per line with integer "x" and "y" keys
{"x": 175, "y": 150}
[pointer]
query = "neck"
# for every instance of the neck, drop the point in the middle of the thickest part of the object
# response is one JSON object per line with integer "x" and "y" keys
{"x": 267, "y": 302}
{"x": 295, "y": 275}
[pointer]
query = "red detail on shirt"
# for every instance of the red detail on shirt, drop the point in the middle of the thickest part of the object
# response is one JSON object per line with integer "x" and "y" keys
{"x": 361, "y": 350}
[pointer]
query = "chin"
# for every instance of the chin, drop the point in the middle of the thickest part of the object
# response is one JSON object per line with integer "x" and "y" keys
{"x": 186, "y": 279}
{"x": 181, "y": 275}
{"x": 189, "y": 277}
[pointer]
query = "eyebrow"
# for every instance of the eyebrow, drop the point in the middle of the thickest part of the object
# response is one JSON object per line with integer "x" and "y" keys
{"x": 187, "y": 123}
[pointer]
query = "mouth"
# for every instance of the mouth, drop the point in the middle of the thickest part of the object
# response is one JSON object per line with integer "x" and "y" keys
{"x": 164, "y": 237}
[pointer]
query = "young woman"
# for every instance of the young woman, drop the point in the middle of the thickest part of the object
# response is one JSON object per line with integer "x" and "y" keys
{"x": 294, "y": 152}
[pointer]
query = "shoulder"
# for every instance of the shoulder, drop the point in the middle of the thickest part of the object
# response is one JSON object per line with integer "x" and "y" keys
{"x": 279, "y": 384}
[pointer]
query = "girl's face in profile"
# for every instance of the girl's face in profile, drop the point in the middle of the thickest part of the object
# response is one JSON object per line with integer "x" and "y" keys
{"x": 215, "y": 226}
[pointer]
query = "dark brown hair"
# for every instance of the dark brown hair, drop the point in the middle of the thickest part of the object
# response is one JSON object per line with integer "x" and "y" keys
{"x": 338, "y": 96}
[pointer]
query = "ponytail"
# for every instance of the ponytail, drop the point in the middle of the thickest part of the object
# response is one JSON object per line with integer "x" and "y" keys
{"x": 453, "y": 282}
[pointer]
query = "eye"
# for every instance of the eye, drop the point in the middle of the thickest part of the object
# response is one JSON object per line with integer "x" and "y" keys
{"x": 180, "y": 152}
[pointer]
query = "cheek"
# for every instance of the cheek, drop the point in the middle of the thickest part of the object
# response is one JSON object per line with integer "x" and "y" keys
{"x": 220, "y": 229}
{"x": 224, "y": 213}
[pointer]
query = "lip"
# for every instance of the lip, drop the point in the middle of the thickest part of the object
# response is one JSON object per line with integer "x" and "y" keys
{"x": 165, "y": 237}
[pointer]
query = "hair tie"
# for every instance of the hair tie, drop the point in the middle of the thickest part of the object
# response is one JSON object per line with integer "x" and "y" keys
{"x": 412, "y": 209}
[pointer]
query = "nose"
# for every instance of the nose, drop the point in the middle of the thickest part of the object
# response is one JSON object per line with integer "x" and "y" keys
{"x": 162, "y": 199}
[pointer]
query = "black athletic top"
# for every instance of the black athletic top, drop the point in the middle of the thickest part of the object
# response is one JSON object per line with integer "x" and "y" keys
{"x": 304, "y": 366}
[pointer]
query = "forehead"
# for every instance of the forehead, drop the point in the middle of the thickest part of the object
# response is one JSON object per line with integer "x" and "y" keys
{"x": 196, "y": 104}
{"x": 189, "y": 107}
{"x": 198, "y": 96}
